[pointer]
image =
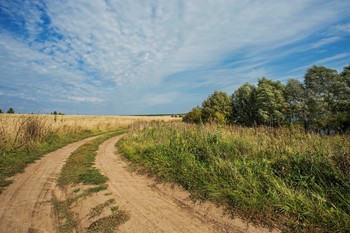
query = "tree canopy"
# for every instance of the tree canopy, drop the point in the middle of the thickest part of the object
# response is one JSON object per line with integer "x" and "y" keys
{"x": 320, "y": 102}
{"x": 217, "y": 108}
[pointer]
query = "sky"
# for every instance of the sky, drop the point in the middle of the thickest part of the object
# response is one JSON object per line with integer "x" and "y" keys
{"x": 117, "y": 57}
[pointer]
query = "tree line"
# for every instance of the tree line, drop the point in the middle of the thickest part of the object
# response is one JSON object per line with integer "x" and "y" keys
{"x": 9, "y": 111}
{"x": 321, "y": 102}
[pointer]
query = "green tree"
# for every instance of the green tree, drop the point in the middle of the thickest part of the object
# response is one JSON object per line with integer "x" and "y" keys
{"x": 342, "y": 107}
{"x": 346, "y": 75}
{"x": 10, "y": 111}
{"x": 270, "y": 102}
{"x": 1, "y": 111}
{"x": 244, "y": 102}
{"x": 217, "y": 108}
{"x": 322, "y": 94}
{"x": 194, "y": 116}
{"x": 295, "y": 97}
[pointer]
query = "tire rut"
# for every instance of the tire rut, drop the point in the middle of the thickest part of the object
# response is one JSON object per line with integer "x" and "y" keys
{"x": 25, "y": 206}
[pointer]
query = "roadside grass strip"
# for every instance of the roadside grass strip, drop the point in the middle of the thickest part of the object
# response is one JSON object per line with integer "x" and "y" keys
{"x": 13, "y": 161}
{"x": 79, "y": 171}
{"x": 279, "y": 177}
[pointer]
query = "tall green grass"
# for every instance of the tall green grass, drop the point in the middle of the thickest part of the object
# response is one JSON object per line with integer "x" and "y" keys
{"x": 278, "y": 176}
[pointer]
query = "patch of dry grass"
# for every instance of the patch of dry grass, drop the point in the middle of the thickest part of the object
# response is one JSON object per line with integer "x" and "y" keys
{"x": 19, "y": 130}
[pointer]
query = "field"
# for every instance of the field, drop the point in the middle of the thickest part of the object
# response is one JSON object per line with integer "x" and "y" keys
{"x": 281, "y": 177}
{"x": 25, "y": 138}
{"x": 275, "y": 176}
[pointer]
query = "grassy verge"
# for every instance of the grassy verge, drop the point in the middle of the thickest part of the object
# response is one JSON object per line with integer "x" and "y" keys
{"x": 79, "y": 170}
{"x": 299, "y": 182}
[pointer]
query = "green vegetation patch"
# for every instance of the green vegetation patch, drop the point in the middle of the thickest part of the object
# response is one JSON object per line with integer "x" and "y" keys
{"x": 79, "y": 166}
{"x": 79, "y": 169}
{"x": 276, "y": 176}
{"x": 109, "y": 223}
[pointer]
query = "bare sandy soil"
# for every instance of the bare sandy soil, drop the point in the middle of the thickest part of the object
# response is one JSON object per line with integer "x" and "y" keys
{"x": 155, "y": 207}
{"x": 25, "y": 206}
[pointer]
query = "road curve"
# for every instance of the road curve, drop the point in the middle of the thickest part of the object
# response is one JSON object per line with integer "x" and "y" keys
{"x": 155, "y": 210}
{"x": 25, "y": 206}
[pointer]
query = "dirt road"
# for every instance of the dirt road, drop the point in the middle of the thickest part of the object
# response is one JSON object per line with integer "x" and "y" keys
{"x": 157, "y": 207}
{"x": 25, "y": 206}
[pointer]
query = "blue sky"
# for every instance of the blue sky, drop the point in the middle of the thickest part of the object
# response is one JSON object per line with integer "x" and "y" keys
{"x": 142, "y": 57}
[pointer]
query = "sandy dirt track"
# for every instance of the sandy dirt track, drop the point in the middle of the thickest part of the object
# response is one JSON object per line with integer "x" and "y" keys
{"x": 159, "y": 207}
{"x": 25, "y": 206}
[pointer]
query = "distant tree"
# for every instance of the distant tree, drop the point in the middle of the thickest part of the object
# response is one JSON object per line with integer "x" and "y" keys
{"x": 1, "y": 111}
{"x": 10, "y": 111}
{"x": 55, "y": 114}
{"x": 295, "y": 97}
{"x": 194, "y": 116}
{"x": 270, "y": 102}
{"x": 217, "y": 108}
{"x": 244, "y": 102}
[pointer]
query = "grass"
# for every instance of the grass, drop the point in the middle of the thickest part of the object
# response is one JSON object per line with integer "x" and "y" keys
{"x": 79, "y": 166}
{"x": 25, "y": 138}
{"x": 276, "y": 176}
{"x": 109, "y": 223}
{"x": 79, "y": 170}
{"x": 97, "y": 210}
{"x": 14, "y": 161}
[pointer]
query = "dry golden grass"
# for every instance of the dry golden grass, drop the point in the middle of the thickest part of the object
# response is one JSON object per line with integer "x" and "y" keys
{"x": 25, "y": 138}
{"x": 16, "y": 130}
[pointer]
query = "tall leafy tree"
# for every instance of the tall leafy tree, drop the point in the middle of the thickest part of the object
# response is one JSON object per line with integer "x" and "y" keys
{"x": 321, "y": 85}
{"x": 343, "y": 106}
{"x": 217, "y": 108}
{"x": 346, "y": 75}
{"x": 295, "y": 97}
{"x": 270, "y": 102}
{"x": 244, "y": 102}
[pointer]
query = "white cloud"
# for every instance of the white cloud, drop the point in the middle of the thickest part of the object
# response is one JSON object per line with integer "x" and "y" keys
{"x": 340, "y": 29}
{"x": 80, "y": 99}
{"x": 158, "y": 99}
{"x": 325, "y": 41}
{"x": 322, "y": 62}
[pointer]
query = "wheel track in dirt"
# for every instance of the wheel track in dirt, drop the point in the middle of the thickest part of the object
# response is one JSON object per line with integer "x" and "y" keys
{"x": 157, "y": 207}
{"x": 25, "y": 206}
